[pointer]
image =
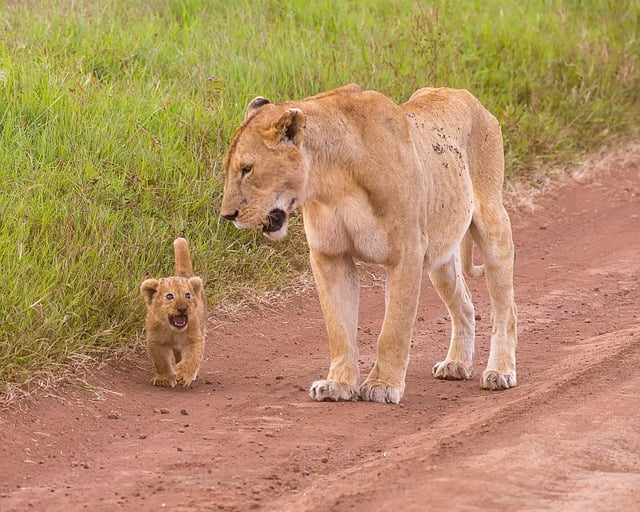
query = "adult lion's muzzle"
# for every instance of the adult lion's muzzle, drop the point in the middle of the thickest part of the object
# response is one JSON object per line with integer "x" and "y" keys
{"x": 274, "y": 225}
{"x": 230, "y": 216}
{"x": 275, "y": 221}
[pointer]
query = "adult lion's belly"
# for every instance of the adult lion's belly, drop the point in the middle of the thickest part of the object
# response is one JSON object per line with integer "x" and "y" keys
{"x": 448, "y": 216}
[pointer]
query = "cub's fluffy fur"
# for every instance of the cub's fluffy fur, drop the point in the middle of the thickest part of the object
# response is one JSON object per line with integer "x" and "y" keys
{"x": 176, "y": 320}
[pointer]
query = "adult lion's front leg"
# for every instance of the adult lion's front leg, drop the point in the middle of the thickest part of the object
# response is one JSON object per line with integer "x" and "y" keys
{"x": 386, "y": 380}
{"x": 338, "y": 287}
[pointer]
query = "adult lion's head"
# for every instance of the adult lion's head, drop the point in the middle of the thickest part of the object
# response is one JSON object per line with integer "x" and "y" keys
{"x": 266, "y": 171}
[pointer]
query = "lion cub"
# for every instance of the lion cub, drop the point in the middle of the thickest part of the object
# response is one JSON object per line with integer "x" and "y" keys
{"x": 176, "y": 319}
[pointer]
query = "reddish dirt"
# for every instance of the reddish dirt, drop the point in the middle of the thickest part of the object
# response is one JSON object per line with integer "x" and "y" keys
{"x": 247, "y": 437}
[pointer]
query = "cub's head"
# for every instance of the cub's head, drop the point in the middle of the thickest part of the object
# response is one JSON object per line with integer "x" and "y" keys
{"x": 172, "y": 300}
{"x": 266, "y": 171}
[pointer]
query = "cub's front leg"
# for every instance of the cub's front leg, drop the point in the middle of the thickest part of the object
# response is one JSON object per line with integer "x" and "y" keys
{"x": 189, "y": 364}
{"x": 338, "y": 288}
{"x": 162, "y": 356}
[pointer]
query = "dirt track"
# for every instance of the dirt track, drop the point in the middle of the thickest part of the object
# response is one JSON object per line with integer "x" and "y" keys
{"x": 247, "y": 437}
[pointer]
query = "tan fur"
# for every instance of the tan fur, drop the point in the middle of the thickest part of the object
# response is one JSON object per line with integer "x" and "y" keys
{"x": 405, "y": 186}
{"x": 176, "y": 349}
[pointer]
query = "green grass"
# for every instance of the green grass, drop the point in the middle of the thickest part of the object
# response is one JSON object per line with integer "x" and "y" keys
{"x": 114, "y": 117}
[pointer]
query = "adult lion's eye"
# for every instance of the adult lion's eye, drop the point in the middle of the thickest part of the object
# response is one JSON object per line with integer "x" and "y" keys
{"x": 187, "y": 295}
{"x": 245, "y": 170}
{"x": 169, "y": 296}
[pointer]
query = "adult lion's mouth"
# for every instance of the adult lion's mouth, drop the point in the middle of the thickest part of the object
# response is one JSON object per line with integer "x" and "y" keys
{"x": 275, "y": 221}
{"x": 178, "y": 321}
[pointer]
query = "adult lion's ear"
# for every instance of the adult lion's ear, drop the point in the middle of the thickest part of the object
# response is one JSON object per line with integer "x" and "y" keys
{"x": 290, "y": 127}
{"x": 255, "y": 104}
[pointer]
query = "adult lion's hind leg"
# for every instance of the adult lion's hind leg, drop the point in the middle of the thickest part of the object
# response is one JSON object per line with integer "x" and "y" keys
{"x": 452, "y": 289}
{"x": 338, "y": 287}
{"x": 492, "y": 232}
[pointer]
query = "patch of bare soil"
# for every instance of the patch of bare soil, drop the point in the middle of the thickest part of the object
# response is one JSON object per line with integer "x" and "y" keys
{"x": 247, "y": 437}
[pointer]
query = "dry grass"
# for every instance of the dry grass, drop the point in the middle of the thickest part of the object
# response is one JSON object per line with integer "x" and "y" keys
{"x": 521, "y": 195}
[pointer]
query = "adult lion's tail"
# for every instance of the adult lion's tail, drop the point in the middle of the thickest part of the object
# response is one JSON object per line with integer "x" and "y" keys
{"x": 183, "y": 258}
{"x": 466, "y": 255}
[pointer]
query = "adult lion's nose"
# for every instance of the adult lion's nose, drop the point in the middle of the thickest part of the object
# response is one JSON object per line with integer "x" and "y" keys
{"x": 230, "y": 216}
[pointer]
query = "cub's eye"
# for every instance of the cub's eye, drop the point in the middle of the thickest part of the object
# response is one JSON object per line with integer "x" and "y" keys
{"x": 169, "y": 296}
{"x": 187, "y": 295}
{"x": 245, "y": 170}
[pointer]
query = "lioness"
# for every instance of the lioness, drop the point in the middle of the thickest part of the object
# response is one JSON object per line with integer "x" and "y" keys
{"x": 176, "y": 320}
{"x": 397, "y": 185}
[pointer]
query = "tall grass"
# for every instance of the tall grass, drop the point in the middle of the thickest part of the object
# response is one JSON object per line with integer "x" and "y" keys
{"x": 114, "y": 117}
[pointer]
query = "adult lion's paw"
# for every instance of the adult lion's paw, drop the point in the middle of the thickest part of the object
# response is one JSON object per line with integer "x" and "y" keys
{"x": 332, "y": 390}
{"x": 494, "y": 380}
{"x": 379, "y": 391}
{"x": 452, "y": 370}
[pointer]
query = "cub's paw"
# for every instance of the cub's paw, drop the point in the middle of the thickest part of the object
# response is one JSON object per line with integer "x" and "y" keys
{"x": 332, "y": 390}
{"x": 452, "y": 370}
{"x": 185, "y": 378}
{"x": 185, "y": 382}
{"x": 166, "y": 381}
{"x": 494, "y": 380}
{"x": 374, "y": 390}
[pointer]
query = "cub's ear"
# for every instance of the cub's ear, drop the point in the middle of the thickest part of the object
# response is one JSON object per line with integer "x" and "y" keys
{"x": 196, "y": 284}
{"x": 148, "y": 289}
{"x": 255, "y": 104}
{"x": 290, "y": 127}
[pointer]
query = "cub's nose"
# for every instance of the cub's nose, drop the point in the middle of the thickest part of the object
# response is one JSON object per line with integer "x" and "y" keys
{"x": 230, "y": 216}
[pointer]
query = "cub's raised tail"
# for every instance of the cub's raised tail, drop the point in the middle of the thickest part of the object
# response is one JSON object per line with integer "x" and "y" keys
{"x": 182, "y": 257}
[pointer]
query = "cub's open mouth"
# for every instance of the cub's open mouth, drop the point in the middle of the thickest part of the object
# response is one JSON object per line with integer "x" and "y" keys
{"x": 178, "y": 321}
{"x": 275, "y": 221}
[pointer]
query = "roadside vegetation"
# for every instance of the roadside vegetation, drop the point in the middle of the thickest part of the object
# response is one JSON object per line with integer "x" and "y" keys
{"x": 115, "y": 115}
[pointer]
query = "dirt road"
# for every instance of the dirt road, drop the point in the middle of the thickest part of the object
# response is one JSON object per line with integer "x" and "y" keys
{"x": 247, "y": 437}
